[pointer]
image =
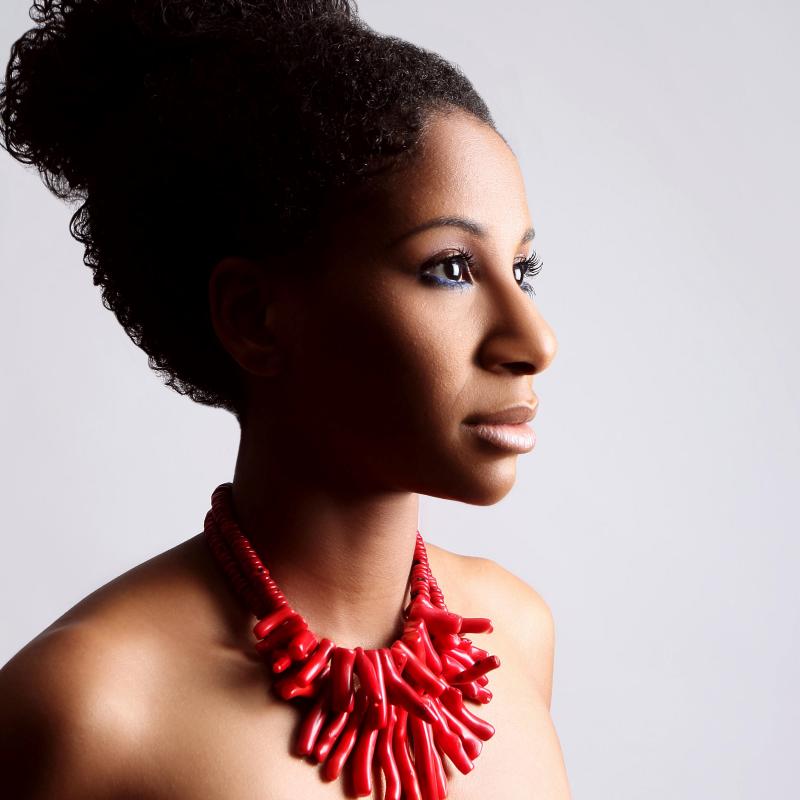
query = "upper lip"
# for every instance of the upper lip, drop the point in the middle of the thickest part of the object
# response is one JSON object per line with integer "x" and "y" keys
{"x": 513, "y": 415}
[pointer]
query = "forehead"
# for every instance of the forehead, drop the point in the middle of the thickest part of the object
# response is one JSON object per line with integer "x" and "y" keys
{"x": 461, "y": 168}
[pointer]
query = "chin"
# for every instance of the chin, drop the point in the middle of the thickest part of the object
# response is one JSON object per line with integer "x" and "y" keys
{"x": 489, "y": 496}
{"x": 483, "y": 487}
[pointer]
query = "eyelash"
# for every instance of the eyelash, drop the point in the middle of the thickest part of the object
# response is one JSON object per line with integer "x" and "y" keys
{"x": 531, "y": 267}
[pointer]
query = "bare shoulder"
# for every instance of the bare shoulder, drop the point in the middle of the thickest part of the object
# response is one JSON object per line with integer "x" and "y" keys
{"x": 505, "y": 592}
{"x": 66, "y": 729}
{"x": 515, "y": 598}
{"x": 77, "y": 702}
{"x": 489, "y": 589}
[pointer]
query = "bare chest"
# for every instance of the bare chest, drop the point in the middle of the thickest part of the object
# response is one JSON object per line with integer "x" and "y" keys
{"x": 219, "y": 748}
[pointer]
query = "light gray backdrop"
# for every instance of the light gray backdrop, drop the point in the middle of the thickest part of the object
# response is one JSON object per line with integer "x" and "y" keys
{"x": 657, "y": 514}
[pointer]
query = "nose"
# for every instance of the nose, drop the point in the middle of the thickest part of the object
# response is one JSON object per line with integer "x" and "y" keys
{"x": 517, "y": 337}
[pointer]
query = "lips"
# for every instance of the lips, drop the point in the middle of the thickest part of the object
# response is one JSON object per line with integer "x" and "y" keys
{"x": 514, "y": 415}
{"x": 506, "y": 429}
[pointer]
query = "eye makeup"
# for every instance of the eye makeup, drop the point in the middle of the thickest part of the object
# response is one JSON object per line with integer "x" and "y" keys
{"x": 523, "y": 270}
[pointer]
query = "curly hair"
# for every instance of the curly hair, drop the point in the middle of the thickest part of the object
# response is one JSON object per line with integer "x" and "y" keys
{"x": 194, "y": 129}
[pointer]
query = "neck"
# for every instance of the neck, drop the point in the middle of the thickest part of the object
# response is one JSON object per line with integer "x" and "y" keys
{"x": 341, "y": 556}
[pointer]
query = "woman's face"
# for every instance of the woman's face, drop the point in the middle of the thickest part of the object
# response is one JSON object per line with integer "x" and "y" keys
{"x": 392, "y": 346}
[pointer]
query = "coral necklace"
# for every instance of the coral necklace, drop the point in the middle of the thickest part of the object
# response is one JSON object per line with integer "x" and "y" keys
{"x": 398, "y": 708}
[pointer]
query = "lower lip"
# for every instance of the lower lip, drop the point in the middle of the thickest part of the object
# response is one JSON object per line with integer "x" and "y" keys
{"x": 515, "y": 438}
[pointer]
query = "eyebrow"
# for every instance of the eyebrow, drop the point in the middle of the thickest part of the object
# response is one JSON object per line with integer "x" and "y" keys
{"x": 464, "y": 223}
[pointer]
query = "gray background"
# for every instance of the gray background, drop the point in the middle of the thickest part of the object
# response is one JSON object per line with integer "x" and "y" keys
{"x": 656, "y": 517}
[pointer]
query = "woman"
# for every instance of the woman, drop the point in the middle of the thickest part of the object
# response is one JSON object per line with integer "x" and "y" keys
{"x": 317, "y": 228}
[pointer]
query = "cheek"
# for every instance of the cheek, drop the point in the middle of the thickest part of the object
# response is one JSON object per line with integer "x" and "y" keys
{"x": 388, "y": 379}
{"x": 391, "y": 361}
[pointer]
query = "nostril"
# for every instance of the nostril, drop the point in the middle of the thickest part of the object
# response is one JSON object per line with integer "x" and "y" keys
{"x": 521, "y": 367}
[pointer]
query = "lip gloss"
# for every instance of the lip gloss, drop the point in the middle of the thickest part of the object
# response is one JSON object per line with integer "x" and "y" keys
{"x": 518, "y": 438}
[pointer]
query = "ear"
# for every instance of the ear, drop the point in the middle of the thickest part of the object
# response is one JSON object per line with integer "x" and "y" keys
{"x": 241, "y": 296}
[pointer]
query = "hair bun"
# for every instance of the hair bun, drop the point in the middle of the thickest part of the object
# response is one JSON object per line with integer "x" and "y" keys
{"x": 64, "y": 82}
{"x": 81, "y": 75}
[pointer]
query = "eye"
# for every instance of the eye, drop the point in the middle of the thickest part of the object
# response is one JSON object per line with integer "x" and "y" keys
{"x": 528, "y": 268}
{"x": 456, "y": 266}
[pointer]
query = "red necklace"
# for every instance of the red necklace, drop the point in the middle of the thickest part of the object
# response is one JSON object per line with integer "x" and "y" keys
{"x": 399, "y": 708}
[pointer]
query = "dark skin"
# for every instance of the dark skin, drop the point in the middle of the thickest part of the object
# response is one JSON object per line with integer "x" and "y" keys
{"x": 367, "y": 362}
{"x": 358, "y": 382}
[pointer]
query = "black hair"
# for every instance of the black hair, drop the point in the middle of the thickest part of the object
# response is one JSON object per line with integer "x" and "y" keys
{"x": 195, "y": 129}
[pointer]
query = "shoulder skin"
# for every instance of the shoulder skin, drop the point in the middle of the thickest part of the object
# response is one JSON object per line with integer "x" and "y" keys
{"x": 518, "y": 607}
{"x": 68, "y": 726}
